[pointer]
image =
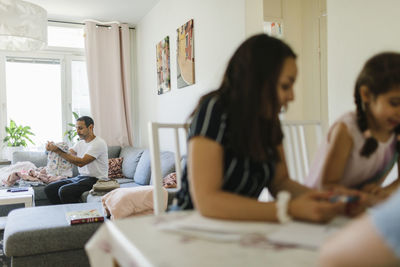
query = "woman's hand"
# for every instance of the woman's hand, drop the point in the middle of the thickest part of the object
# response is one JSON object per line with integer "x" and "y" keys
{"x": 353, "y": 208}
{"x": 314, "y": 206}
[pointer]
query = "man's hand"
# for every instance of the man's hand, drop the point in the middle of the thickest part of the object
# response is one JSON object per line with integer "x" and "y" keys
{"x": 50, "y": 146}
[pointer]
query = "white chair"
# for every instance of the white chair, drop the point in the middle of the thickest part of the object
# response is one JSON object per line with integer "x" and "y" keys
{"x": 301, "y": 140}
{"x": 154, "y": 141}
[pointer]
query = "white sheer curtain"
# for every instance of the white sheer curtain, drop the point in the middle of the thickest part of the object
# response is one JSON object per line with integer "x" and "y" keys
{"x": 109, "y": 73}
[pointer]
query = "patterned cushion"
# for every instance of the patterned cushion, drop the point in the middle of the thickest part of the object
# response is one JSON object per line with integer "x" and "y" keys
{"x": 169, "y": 181}
{"x": 115, "y": 168}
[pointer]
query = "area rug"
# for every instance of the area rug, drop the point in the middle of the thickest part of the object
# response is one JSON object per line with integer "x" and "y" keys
{"x": 4, "y": 261}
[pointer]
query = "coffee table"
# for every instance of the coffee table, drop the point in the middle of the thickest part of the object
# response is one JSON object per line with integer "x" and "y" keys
{"x": 25, "y": 197}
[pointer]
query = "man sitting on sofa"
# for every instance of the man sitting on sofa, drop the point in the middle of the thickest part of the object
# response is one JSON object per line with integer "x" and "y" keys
{"x": 90, "y": 155}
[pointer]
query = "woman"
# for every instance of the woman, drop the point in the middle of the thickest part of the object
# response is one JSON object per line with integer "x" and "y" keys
{"x": 235, "y": 142}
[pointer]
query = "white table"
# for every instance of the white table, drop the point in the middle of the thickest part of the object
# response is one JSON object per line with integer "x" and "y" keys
{"x": 25, "y": 197}
{"x": 138, "y": 241}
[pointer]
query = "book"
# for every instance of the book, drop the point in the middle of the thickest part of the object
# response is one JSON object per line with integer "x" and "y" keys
{"x": 84, "y": 216}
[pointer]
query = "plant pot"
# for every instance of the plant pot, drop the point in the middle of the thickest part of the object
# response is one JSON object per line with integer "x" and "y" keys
{"x": 9, "y": 150}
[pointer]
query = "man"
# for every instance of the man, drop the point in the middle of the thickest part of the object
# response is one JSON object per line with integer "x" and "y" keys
{"x": 372, "y": 240}
{"x": 89, "y": 154}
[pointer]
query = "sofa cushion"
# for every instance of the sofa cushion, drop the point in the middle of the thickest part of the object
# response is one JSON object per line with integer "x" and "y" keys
{"x": 131, "y": 158}
{"x": 167, "y": 163}
{"x": 87, "y": 197}
{"x": 49, "y": 225}
{"x": 124, "y": 180}
{"x": 114, "y": 151}
{"x": 37, "y": 158}
{"x": 143, "y": 169}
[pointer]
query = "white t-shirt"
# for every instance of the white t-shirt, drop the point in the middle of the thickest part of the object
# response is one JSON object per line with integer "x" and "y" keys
{"x": 96, "y": 148}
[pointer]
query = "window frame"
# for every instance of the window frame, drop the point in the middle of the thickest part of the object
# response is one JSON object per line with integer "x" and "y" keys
{"x": 66, "y": 56}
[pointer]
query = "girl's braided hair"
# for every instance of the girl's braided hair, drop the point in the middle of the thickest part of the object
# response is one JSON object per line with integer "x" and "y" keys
{"x": 380, "y": 74}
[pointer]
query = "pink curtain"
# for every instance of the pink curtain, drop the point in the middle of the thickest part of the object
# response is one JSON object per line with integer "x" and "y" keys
{"x": 108, "y": 67}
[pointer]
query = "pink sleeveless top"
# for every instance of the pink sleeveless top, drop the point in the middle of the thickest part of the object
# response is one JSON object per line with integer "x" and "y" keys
{"x": 358, "y": 169}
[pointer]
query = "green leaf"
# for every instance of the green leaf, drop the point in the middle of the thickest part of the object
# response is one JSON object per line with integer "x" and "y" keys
{"x": 17, "y": 135}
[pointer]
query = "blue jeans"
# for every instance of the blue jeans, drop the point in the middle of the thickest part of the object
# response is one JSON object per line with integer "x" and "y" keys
{"x": 69, "y": 190}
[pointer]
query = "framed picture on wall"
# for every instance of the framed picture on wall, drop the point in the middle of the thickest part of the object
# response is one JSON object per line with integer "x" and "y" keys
{"x": 163, "y": 66}
{"x": 185, "y": 55}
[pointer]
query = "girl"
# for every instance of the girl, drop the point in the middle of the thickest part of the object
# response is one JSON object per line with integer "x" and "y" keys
{"x": 235, "y": 142}
{"x": 362, "y": 146}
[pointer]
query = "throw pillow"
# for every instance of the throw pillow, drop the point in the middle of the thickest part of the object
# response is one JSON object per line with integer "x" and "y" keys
{"x": 124, "y": 202}
{"x": 169, "y": 181}
{"x": 115, "y": 168}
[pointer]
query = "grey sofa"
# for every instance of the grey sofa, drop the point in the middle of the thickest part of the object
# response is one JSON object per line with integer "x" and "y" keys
{"x": 41, "y": 236}
{"x": 135, "y": 167}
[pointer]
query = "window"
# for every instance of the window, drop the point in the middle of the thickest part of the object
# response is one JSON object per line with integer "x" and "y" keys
{"x": 80, "y": 88}
{"x": 35, "y": 100}
{"x": 42, "y": 89}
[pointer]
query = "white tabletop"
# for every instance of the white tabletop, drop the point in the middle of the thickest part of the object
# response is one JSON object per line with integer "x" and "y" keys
{"x": 6, "y": 198}
{"x": 26, "y": 197}
{"x": 138, "y": 241}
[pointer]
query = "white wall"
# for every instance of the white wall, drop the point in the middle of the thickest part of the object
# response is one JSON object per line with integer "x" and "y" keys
{"x": 254, "y": 17}
{"x": 357, "y": 29}
{"x": 219, "y": 27}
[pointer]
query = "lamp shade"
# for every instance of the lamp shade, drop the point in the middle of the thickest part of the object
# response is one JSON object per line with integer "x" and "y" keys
{"x": 23, "y": 26}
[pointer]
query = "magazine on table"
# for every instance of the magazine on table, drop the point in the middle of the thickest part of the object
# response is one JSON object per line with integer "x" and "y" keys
{"x": 84, "y": 216}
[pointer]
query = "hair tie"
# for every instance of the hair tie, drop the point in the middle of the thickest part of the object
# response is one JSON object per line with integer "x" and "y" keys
{"x": 367, "y": 134}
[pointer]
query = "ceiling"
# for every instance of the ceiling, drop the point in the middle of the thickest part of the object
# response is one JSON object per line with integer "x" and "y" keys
{"x": 127, "y": 11}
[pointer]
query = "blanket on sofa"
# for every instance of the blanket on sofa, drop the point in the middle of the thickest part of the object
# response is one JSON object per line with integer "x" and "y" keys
{"x": 17, "y": 167}
{"x": 33, "y": 175}
{"x": 57, "y": 168}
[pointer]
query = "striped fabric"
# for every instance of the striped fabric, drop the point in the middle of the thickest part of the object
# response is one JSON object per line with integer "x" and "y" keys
{"x": 241, "y": 175}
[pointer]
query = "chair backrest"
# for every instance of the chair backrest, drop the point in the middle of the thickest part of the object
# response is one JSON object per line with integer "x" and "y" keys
{"x": 154, "y": 141}
{"x": 301, "y": 140}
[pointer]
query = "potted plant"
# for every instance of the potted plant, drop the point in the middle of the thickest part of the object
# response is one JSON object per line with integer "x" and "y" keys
{"x": 71, "y": 133}
{"x": 17, "y": 137}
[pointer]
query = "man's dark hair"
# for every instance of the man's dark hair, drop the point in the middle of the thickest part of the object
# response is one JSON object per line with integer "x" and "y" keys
{"x": 88, "y": 121}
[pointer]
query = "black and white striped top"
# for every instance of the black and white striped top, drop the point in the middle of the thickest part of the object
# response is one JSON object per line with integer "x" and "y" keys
{"x": 242, "y": 175}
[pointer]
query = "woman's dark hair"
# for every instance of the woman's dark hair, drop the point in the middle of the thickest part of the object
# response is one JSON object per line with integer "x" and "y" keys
{"x": 249, "y": 90}
{"x": 380, "y": 74}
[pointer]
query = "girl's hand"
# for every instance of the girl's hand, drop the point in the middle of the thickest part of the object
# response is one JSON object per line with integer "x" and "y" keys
{"x": 374, "y": 199}
{"x": 372, "y": 189}
{"x": 314, "y": 206}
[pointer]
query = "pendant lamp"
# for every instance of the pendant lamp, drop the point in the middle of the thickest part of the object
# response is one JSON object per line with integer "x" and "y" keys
{"x": 23, "y": 26}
